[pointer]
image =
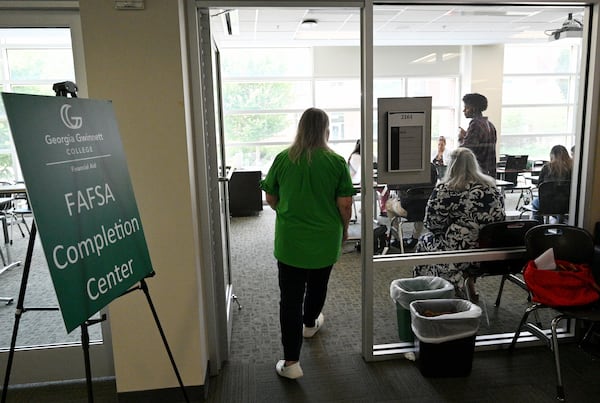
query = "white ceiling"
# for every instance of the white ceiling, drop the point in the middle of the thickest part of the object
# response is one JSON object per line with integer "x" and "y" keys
{"x": 393, "y": 25}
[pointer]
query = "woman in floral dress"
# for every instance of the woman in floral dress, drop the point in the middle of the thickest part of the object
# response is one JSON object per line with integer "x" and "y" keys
{"x": 465, "y": 200}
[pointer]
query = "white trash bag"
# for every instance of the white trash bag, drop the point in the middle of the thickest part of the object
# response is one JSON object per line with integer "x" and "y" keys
{"x": 440, "y": 320}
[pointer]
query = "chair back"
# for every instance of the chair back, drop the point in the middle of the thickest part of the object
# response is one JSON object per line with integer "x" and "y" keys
{"x": 414, "y": 201}
{"x": 569, "y": 243}
{"x": 554, "y": 197}
{"x": 504, "y": 234}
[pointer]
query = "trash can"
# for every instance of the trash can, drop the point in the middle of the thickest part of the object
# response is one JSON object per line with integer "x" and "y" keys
{"x": 405, "y": 290}
{"x": 445, "y": 330}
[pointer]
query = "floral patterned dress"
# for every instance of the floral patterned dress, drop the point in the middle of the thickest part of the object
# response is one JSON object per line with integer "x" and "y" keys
{"x": 454, "y": 219}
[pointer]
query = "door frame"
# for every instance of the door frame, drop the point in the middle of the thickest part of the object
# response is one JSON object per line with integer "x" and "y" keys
{"x": 206, "y": 187}
{"x": 369, "y": 263}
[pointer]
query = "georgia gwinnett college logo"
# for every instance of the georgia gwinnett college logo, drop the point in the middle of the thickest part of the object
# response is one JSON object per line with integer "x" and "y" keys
{"x": 72, "y": 122}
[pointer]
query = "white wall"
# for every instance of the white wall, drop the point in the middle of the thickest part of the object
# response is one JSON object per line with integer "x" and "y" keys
{"x": 388, "y": 61}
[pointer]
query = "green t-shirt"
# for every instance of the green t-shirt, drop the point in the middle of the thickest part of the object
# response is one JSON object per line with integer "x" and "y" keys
{"x": 308, "y": 228}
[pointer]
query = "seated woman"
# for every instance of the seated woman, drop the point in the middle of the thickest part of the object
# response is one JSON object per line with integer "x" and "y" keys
{"x": 464, "y": 200}
{"x": 441, "y": 159}
{"x": 559, "y": 168}
{"x": 354, "y": 163}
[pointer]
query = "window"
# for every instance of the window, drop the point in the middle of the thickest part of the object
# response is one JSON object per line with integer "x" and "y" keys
{"x": 265, "y": 91}
{"x": 31, "y": 61}
{"x": 539, "y": 98}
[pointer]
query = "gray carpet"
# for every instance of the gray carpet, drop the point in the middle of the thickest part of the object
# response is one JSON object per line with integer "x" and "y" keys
{"x": 254, "y": 274}
{"x": 35, "y": 327}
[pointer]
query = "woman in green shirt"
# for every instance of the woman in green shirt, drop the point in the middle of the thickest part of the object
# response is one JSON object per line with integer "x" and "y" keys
{"x": 309, "y": 187}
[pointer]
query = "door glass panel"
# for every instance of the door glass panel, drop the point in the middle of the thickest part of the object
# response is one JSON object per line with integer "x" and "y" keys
{"x": 266, "y": 62}
{"x": 533, "y": 104}
{"x": 443, "y": 58}
{"x": 257, "y": 96}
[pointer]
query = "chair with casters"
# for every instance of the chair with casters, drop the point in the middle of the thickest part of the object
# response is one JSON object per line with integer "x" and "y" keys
{"x": 5, "y": 205}
{"x": 514, "y": 167}
{"x": 355, "y": 210}
{"x": 571, "y": 244}
{"x": 554, "y": 200}
{"x": 21, "y": 202}
{"x": 554, "y": 197}
{"x": 414, "y": 201}
{"x": 8, "y": 300}
{"x": 503, "y": 234}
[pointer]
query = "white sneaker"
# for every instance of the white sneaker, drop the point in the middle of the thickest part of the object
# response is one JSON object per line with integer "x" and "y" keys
{"x": 291, "y": 371}
{"x": 309, "y": 332}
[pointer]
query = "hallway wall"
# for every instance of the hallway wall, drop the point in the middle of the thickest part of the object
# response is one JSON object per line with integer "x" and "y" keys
{"x": 134, "y": 59}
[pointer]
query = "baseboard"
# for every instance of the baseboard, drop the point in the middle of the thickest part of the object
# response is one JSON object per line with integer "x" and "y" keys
{"x": 194, "y": 394}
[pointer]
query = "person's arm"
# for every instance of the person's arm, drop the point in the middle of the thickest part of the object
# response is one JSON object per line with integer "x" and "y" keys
{"x": 461, "y": 135}
{"x": 471, "y": 138}
{"x": 542, "y": 177}
{"x": 271, "y": 200}
{"x": 344, "y": 205}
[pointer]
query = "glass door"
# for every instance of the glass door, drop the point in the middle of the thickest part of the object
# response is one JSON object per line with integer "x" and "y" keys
{"x": 213, "y": 177}
{"x": 34, "y": 56}
{"x": 224, "y": 172}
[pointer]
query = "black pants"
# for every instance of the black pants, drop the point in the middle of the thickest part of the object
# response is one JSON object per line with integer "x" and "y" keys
{"x": 302, "y": 296}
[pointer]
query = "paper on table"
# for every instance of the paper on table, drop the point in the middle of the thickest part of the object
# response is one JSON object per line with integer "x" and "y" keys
{"x": 546, "y": 261}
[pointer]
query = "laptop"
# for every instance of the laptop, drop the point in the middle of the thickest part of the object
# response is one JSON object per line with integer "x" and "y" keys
{"x": 516, "y": 162}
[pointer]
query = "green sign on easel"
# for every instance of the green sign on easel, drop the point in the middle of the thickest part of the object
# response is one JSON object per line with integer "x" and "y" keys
{"x": 82, "y": 200}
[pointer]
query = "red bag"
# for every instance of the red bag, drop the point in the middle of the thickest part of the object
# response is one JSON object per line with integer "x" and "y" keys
{"x": 569, "y": 285}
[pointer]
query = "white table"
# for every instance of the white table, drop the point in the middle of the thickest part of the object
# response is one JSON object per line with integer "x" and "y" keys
{"x": 8, "y": 263}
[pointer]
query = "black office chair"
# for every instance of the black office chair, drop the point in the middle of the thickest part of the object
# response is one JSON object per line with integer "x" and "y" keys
{"x": 414, "y": 201}
{"x": 554, "y": 200}
{"x": 503, "y": 234}
{"x": 571, "y": 244}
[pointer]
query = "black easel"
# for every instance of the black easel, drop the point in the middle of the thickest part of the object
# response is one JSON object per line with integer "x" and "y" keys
{"x": 65, "y": 89}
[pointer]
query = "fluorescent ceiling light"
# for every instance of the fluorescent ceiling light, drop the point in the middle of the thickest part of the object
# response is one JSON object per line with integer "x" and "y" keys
{"x": 450, "y": 56}
{"x": 430, "y": 58}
